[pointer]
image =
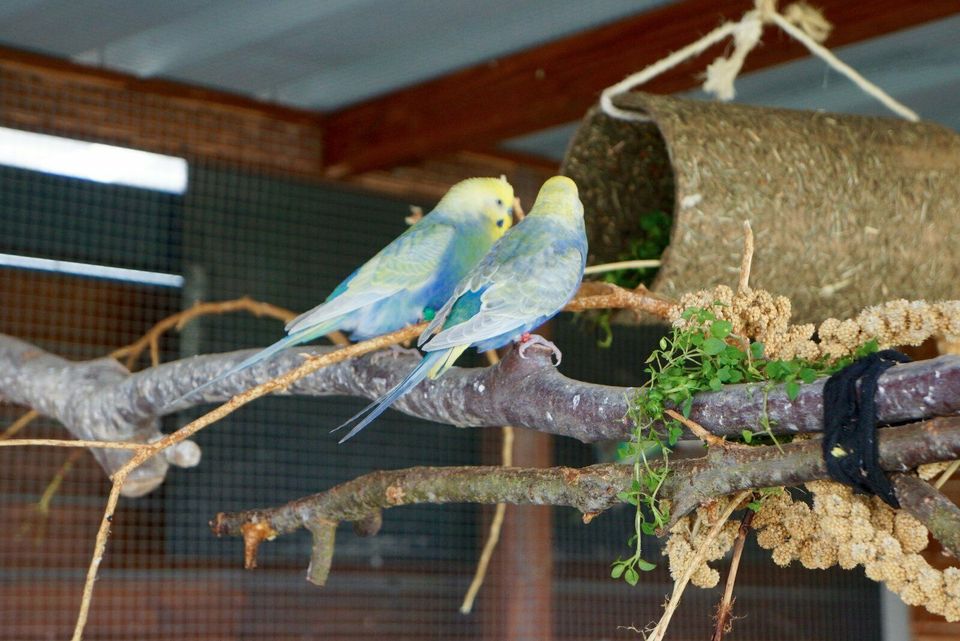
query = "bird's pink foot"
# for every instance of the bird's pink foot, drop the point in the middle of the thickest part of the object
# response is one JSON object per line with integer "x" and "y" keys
{"x": 528, "y": 339}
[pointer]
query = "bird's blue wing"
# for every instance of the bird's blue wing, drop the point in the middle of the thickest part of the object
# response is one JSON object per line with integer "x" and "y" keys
{"x": 510, "y": 299}
{"x": 407, "y": 263}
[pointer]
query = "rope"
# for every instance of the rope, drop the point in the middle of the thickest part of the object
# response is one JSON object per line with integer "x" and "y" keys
{"x": 799, "y": 20}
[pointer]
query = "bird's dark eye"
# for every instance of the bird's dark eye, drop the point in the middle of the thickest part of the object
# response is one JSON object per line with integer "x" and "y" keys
{"x": 499, "y": 203}
{"x": 500, "y": 223}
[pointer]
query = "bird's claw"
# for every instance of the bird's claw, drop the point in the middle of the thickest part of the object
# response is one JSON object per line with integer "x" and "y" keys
{"x": 535, "y": 339}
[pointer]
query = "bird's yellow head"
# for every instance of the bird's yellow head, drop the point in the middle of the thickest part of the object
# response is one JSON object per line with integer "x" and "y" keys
{"x": 491, "y": 198}
{"x": 558, "y": 196}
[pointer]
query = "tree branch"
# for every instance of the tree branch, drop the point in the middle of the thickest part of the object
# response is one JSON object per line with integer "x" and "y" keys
{"x": 100, "y": 400}
{"x": 83, "y": 396}
{"x": 501, "y": 394}
{"x": 591, "y": 490}
{"x": 931, "y": 508}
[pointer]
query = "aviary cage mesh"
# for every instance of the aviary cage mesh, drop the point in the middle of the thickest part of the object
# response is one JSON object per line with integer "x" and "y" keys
{"x": 243, "y": 229}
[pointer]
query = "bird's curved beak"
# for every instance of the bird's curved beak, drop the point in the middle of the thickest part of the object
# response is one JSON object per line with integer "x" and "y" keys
{"x": 517, "y": 211}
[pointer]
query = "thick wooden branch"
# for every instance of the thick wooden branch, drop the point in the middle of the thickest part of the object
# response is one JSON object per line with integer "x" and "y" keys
{"x": 592, "y": 489}
{"x": 88, "y": 398}
{"x": 530, "y": 393}
{"x": 100, "y": 400}
{"x": 557, "y": 82}
{"x": 932, "y": 508}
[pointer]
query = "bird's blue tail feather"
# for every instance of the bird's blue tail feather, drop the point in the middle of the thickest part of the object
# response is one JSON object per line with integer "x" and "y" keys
{"x": 379, "y": 406}
{"x": 282, "y": 344}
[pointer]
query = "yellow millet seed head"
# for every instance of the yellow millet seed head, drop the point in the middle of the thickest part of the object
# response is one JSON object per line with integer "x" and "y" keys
{"x": 861, "y": 529}
{"x": 683, "y": 526}
{"x": 816, "y": 554}
{"x": 888, "y": 545}
{"x": 936, "y": 603}
{"x": 863, "y": 552}
{"x": 845, "y": 557}
{"x": 875, "y": 570}
{"x": 772, "y": 510}
{"x": 831, "y": 504}
{"x": 930, "y": 580}
{"x": 952, "y": 612}
{"x": 948, "y": 313}
{"x": 951, "y": 582}
{"x": 911, "y": 594}
{"x": 705, "y": 577}
{"x": 911, "y": 533}
{"x": 881, "y": 515}
{"x": 798, "y": 521}
{"x": 860, "y": 508}
{"x": 724, "y": 541}
{"x": 772, "y": 536}
{"x": 783, "y": 555}
{"x": 836, "y": 528}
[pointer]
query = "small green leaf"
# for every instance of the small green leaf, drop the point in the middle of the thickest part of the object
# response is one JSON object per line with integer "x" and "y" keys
{"x": 747, "y": 436}
{"x": 631, "y": 576}
{"x": 617, "y": 571}
{"x": 773, "y": 370}
{"x": 686, "y": 407}
{"x": 754, "y": 505}
{"x": 645, "y": 566}
{"x": 663, "y": 343}
{"x": 721, "y": 328}
{"x": 673, "y": 434}
{"x": 807, "y": 374}
{"x": 713, "y": 346}
{"x": 734, "y": 354}
{"x": 648, "y": 528}
{"x": 793, "y": 390}
{"x": 756, "y": 350}
{"x": 868, "y": 348}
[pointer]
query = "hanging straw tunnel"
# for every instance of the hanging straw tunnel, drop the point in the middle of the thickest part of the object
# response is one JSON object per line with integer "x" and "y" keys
{"x": 847, "y": 211}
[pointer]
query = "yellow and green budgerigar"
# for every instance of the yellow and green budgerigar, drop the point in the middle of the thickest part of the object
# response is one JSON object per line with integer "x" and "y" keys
{"x": 528, "y": 276}
{"x": 413, "y": 276}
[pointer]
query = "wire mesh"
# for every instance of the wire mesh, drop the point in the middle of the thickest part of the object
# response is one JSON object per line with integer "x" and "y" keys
{"x": 245, "y": 228}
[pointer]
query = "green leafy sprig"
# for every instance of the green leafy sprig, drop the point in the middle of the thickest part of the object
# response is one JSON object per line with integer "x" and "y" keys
{"x": 703, "y": 355}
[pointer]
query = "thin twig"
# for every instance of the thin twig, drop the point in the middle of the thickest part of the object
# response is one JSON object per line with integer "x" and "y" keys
{"x": 747, "y": 260}
{"x": 725, "y": 608}
{"x": 496, "y": 525}
{"x": 177, "y": 321}
{"x": 311, "y": 364}
{"x": 55, "y": 442}
{"x": 947, "y": 473}
{"x": 597, "y": 295}
{"x": 623, "y": 264}
{"x": 43, "y": 505}
{"x": 99, "y": 546}
{"x": 19, "y": 424}
{"x": 701, "y": 433}
{"x": 680, "y": 585}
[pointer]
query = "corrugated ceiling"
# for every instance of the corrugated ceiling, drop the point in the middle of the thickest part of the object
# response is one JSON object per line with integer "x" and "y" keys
{"x": 326, "y": 54}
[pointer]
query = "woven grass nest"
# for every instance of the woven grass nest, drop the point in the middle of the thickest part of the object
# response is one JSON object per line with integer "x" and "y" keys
{"x": 847, "y": 211}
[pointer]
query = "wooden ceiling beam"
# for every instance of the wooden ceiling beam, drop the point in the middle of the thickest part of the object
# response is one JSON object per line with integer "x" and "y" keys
{"x": 557, "y": 82}
{"x": 41, "y": 93}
